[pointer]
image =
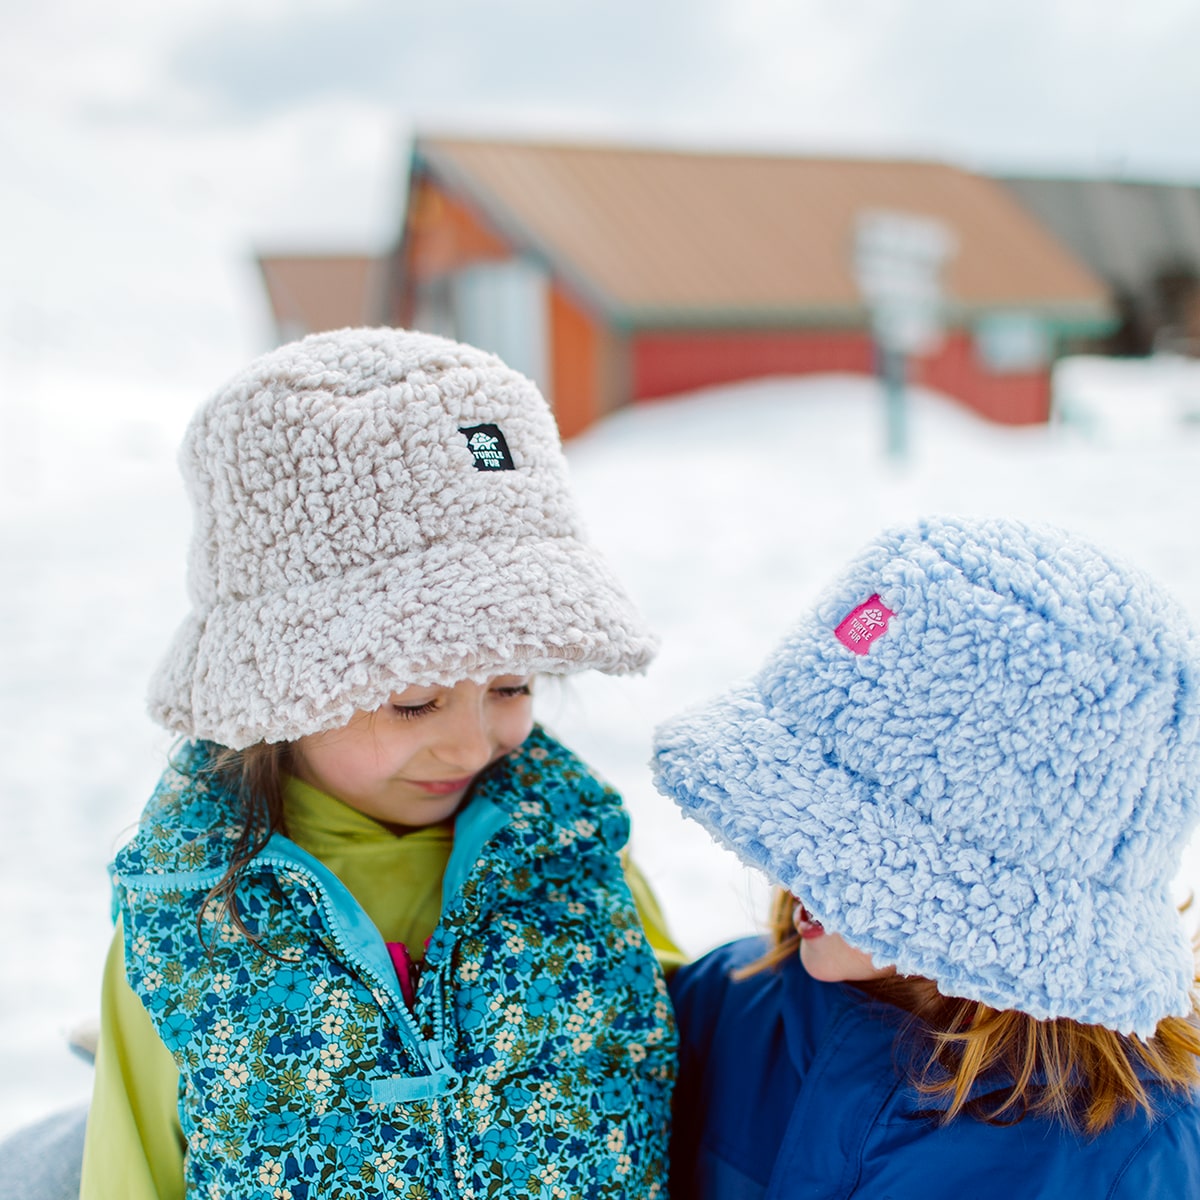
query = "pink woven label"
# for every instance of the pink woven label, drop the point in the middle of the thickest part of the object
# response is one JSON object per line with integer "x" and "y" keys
{"x": 860, "y": 627}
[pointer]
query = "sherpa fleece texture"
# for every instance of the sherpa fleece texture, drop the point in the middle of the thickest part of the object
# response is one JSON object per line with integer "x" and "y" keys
{"x": 996, "y": 794}
{"x": 346, "y": 545}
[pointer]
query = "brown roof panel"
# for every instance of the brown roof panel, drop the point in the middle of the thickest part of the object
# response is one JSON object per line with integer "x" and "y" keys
{"x": 310, "y": 293}
{"x": 667, "y": 233}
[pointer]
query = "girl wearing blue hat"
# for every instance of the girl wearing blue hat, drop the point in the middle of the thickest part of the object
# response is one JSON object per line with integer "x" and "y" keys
{"x": 971, "y": 771}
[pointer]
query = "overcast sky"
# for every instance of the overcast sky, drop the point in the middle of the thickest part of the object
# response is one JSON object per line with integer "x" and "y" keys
{"x": 149, "y": 147}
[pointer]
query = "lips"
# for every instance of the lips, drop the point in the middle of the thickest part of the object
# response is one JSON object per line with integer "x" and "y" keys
{"x": 443, "y": 787}
{"x": 807, "y": 926}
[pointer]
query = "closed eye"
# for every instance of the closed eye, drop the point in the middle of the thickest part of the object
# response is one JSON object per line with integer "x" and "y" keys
{"x": 520, "y": 689}
{"x": 408, "y": 711}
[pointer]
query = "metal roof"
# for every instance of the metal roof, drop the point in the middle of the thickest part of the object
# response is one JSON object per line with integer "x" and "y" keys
{"x": 1126, "y": 231}
{"x": 310, "y": 292}
{"x": 660, "y": 236}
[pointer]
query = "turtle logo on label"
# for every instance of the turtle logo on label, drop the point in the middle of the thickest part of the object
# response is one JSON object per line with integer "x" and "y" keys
{"x": 488, "y": 447}
{"x": 863, "y": 624}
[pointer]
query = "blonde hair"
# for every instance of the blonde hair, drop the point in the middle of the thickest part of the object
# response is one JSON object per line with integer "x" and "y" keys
{"x": 1084, "y": 1076}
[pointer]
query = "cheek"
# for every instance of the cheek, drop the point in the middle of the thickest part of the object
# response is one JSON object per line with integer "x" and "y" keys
{"x": 342, "y": 760}
{"x": 332, "y": 766}
{"x": 515, "y": 725}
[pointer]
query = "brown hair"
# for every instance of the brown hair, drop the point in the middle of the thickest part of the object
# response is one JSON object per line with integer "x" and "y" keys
{"x": 255, "y": 776}
{"x": 1084, "y": 1076}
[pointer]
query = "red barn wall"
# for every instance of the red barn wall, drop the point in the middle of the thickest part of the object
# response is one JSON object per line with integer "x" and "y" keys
{"x": 1011, "y": 398}
{"x": 677, "y": 361}
{"x": 664, "y": 363}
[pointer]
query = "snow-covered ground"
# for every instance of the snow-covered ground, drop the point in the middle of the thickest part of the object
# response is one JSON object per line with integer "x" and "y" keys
{"x": 724, "y": 511}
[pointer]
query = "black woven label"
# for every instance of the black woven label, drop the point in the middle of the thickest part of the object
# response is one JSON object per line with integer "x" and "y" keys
{"x": 487, "y": 444}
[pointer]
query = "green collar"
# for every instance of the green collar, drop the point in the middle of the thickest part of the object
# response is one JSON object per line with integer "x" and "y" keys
{"x": 322, "y": 824}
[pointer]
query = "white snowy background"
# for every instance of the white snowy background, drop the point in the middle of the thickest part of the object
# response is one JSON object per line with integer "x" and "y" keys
{"x": 725, "y": 511}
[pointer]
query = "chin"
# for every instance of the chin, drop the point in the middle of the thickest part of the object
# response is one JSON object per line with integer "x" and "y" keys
{"x": 823, "y": 972}
{"x": 833, "y": 961}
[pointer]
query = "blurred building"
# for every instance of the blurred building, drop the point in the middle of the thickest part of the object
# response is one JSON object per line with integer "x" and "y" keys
{"x": 312, "y": 292}
{"x": 1143, "y": 239}
{"x": 614, "y": 275}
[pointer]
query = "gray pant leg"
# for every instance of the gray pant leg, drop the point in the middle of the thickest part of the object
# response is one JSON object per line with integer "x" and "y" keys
{"x": 43, "y": 1161}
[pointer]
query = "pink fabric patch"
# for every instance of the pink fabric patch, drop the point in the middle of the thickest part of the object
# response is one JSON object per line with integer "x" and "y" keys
{"x": 405, "y": 972}
{"x": 863, "y": 625}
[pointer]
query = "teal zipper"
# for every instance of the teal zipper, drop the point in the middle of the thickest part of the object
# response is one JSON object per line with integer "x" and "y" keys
{"x": 442, "y": 1079}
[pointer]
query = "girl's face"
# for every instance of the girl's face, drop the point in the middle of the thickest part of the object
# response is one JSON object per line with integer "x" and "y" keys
{"x": 409, "y": 764}
{"x": 826, "y": 956}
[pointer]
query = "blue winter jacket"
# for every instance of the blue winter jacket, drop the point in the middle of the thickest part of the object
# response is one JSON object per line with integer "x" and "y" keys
{"x": 789, "y": 1090}
{"x": 536, "y": 1061}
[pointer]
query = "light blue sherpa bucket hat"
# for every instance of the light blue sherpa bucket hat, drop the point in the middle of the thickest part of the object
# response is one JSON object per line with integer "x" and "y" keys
{"x": 978, "y": 759}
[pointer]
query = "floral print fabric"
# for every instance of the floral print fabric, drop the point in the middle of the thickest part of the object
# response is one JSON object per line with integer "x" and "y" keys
{"x": 538, "y": 1058}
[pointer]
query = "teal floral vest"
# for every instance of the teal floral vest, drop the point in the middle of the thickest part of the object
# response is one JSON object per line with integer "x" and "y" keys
{"x": 538, "y": 1058}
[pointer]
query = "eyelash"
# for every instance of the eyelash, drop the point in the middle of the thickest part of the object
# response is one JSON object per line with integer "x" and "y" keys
{"x": 409, "y": 712}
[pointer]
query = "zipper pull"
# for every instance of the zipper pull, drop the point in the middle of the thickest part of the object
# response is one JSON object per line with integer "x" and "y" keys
{"x": 451, "y": 1081}
{"x": 433, "y": 1052}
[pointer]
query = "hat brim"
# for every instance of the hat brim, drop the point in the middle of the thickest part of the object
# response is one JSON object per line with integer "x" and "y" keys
{"x": 874, "y": 870}
{"x": 447, "y": 613}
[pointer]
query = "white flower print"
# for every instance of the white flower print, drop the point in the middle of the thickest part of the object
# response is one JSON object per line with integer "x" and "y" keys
{"x": 237, "y": 1074}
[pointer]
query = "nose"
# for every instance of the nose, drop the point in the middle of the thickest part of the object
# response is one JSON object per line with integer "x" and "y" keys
{"x": 466, "y": 741}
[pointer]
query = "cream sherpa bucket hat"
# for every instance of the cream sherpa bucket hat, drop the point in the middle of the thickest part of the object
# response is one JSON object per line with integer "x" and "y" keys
{"x": 376, "y": 508}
